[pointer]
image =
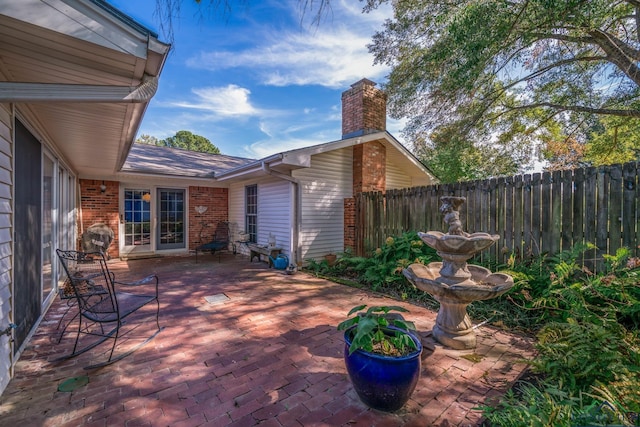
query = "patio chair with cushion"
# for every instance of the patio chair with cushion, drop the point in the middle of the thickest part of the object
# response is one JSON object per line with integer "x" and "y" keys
{"x": 102, "y": 304}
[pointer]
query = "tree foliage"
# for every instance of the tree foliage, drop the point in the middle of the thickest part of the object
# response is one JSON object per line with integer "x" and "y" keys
{"x": 617, "y": 140}
{"x": 182, "y": 139}
{"x": 511, "y": 72}
{"x": 148, "y": 139}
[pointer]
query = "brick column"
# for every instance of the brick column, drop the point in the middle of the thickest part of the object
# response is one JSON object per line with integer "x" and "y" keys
{"x": 350, "y": 223}
{"x": 217, "y": 202}
{"x": 369, "y": 167}
{"x": 99, "y": 207}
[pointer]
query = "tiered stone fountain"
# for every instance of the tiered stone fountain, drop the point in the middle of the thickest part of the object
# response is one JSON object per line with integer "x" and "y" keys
{"x": 452, "y": 282}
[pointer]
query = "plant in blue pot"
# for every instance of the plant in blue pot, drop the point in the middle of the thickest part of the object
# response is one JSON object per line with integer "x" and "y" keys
{"x": 382, "y": 355}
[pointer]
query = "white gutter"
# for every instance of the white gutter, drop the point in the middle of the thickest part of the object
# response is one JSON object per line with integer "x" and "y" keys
{"x": 297, "y": 206}
{"x": 58, "y": 92}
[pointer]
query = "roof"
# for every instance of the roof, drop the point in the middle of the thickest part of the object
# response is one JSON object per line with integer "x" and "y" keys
{"x": 166, "y": 161}
{"x": 301, "y": 157}
{"x": 81, "y": 75}
{"x": 155, "y": 160}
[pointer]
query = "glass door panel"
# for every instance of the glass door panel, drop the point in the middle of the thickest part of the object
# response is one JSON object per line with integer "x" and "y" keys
{"x": 170, "y": 229}
{"x": 48, "y": 224}
{"x": 137, "y": 220}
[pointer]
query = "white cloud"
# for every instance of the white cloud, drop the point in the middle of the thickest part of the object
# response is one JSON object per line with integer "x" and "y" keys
{"x": 227, "y": 101}
{"x": 333, "y": 54}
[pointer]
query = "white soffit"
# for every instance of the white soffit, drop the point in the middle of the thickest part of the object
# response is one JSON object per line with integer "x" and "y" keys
{"x": 47, "y": 45}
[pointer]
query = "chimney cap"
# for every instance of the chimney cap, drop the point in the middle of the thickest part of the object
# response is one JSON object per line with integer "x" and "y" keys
{"x": 363, "y": 82}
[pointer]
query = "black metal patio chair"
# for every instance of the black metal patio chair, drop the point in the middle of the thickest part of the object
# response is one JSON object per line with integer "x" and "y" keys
{"x": 102, "y": 305}
{"x": 220, "y": 242}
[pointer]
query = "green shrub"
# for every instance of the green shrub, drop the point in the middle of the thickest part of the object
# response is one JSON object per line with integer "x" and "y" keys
{"x": 588, "y": 345}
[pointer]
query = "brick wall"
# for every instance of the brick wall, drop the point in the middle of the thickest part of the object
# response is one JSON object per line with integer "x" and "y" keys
{"x": 99, "y": 207}
{"x": 349, "y": 223}
{"x": 369, "y": 167}
{"x": 364, "y": 109}
{"x": 217, "y": 202}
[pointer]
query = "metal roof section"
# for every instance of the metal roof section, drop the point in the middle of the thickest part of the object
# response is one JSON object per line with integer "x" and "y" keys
{"x": 155, "y": 160}
{"x": 125, "y": 18}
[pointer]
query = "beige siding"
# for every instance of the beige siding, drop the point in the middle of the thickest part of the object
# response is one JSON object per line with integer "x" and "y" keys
{"x": 236, "y": 211}
{"x": 6, "y": 185}
{"x": 396, "y": 178}
{"x": 325, "y": 185}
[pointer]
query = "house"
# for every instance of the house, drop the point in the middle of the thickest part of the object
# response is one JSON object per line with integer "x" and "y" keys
{"x": 75, "y": 79}
{"x": 298, "y": 196}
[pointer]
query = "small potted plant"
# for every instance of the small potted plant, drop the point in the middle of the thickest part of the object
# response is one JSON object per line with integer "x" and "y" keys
{"x": 382, "y": 356}
{"x": 331, "y": 259}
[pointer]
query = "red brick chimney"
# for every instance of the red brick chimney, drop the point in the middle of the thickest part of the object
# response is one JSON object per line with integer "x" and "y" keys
{"x": 364, "y": 109}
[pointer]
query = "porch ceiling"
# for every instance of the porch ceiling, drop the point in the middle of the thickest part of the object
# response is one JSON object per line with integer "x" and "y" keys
{"x": 81, "y": 45}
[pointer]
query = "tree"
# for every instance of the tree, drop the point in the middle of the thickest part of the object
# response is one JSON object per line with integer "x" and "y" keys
{"x": 510, "y": 72}
{"x": 188, "y": 141}
{"x": 182, "y": 139}
{"x": 148, "y": 139}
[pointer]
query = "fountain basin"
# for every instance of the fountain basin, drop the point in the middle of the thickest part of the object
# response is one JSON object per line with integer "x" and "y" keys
{"x": 459, "y": 244}
{"x": 453, "y": 326}
{"x": 481, "y": 285}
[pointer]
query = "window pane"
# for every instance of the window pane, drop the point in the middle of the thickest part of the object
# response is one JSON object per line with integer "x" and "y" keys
{"x": 251, "y": 212}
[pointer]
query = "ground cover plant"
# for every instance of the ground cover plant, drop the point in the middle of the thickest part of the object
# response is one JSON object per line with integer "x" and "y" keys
{"x": 586, "y": 325}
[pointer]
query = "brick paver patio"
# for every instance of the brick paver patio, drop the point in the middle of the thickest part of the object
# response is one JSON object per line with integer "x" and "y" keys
{"x": 270, "y": 355}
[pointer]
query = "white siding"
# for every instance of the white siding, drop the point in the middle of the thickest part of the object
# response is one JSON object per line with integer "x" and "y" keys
{"x": 6, "y": 185}
{"x": 396, "y": 177}
{"x": 275, "y": 210}
{"x": 325, "y": 185}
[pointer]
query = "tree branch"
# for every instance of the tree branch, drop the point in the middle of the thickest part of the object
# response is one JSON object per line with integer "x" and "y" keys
{"x": 619, "y": 53}
{"x": 580, "y": 109}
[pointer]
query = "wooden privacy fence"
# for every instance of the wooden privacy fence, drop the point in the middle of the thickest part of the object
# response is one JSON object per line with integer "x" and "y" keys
{"x": 533, "y": 214}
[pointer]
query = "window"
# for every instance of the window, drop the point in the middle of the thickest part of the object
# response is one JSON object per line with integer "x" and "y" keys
{"x": 251, "y": 212}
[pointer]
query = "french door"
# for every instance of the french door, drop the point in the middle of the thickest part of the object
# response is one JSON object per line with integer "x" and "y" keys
{"x": 153, "y": 219}
{"x": 170, "y": 228}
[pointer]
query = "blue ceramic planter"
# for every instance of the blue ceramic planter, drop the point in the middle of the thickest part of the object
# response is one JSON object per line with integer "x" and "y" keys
{"x": 383, "y": 382}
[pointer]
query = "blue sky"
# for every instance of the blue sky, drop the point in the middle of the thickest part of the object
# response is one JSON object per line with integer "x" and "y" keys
{"x": 261, "y": 79}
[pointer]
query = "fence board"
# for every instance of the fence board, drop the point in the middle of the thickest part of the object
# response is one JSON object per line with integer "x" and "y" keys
{"x": 536, "y": 215}
{"x": 629, "y": 217}
{"x": 637, "y": 242}
{"x": 526, "y": 215}
{"x": 517, "y": 215}
{"x": 578, "y": 207}
{"x": 602, "y": 212}
{"x": 615, "y": 208}
{"x": 590, "y": 204}
{"x": 493, "y": 215}
{"x": 567, "y": 209}
{"x": 545, "y": 217}
{"x": 555, "y": 231}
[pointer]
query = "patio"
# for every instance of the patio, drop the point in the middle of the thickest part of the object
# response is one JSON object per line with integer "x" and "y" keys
{"x": 270, "y": 355}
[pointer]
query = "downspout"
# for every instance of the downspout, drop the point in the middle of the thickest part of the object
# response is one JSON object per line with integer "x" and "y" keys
{"x": 297, "y": 207}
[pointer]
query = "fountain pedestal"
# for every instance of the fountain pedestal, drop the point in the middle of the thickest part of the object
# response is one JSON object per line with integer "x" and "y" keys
{"x": 454, "y": 283}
